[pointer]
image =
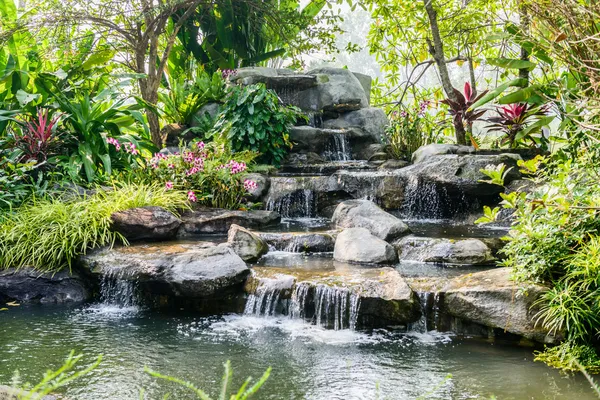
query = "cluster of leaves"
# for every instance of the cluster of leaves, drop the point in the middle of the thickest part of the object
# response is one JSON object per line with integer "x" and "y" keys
{"x": 410, "y": 129}
{"x": 516, "y": 123}
{"x": 253, "y": 118}
{"x": 555, "y": 240}
{"x": 210, "y": 174}
{"x": 462, "y": 110}
{"x": 49, "y": 234}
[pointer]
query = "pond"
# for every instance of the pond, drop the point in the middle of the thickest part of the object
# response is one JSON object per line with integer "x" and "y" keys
{"x": 308, "y": 362}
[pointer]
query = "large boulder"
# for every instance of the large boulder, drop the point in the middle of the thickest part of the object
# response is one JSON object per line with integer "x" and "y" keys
{"x": 444, "y": 251}
{"x": 371, "y": 121}
{"x": 145, "y": 223}
{"x": 436, "y": 149}
{"x": 199, "y": 270}
{"x": 358, "y": 245}
{"x": 366, "y": 82}
{"x": 218, "y": 221}
{"x": 492, "y": 299}
{"x": 348, "y": 296}
{"x": 365, "y": 214}
{"x": 337, "y": 90}
{"x": 248, "y": 245}
{"x": 300, "y": 242}
{"x": 209, "y": 110}
{"x": 27, "y": 285}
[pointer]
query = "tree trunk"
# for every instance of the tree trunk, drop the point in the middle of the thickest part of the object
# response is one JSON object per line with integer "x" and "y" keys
{"x": 524, "y": 22}
{"x": 436, "y": 48}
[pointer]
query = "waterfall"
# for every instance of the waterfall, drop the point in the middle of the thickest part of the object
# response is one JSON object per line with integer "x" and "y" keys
{"x": 300, "y": 203}
{"x": 426, "y": 200}
{"x": 338, "y": 148}
{"x": 116, "y": 291}
{"x": 325, "y": 306}
{"x": 266, "y": 299}
{"x": 315, "y": 119}
{"x": 430, "y": 313}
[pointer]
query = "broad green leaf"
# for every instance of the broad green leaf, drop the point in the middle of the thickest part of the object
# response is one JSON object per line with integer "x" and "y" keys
{"x": 520, "y": 95}
{"x": 511, "y": 63}
{"x": 25, "y": 98}
{"x": 491, "y": 95}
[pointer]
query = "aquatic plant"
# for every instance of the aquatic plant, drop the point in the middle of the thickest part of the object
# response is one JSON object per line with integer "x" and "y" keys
{"x": 49, "y": 234}
{"x": 243, "y": 393}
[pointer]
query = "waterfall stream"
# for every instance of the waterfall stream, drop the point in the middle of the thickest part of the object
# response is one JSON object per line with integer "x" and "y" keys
{"x": 300, "y": 203}
{"x": 328, "y": 307}
{"x": 338, "y": 148}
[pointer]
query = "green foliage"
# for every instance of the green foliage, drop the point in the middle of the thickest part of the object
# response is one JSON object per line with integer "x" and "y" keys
{"x": 186, "y": 95}
{"x": 409, "y": 130}
{"x": 49, "y": 234}
{"x": 54, "y": 380}
{"x": 243, "y": 393}
{"x": 253, "y": 118}
{"x": 496, "y": 173}
{"x": 555, "y": 240}
{"x": 210, "y": 174}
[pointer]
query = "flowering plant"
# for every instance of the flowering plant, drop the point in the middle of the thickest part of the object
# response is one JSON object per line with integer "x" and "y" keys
{"x": 410, "y": 129}
{"x": 209, "y": 173}
{"x": 521, "y": 124}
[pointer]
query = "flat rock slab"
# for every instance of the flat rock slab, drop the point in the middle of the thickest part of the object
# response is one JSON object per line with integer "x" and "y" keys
{"x": 27, "y": 285}
{"x": 444, "y": 251}
{"x": 145, "y": 223}
{"x": 491, "y": 299}
{"x": 383, "y": 295}
{"x": 246, "y": 244}
{"x": 198, "y": 270}
{"x": 300, "y": 242}
{"x": 218, "y": 221}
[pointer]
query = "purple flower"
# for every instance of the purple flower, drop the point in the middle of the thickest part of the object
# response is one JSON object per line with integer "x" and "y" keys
{"x": 250, "y": 185}
{"x": 200, "y": 145}
{"x": 169, "y": 185}
{"x": 114, "y": 142}
{"x": 171, "y": 166}
{"x": 192, "y": 196}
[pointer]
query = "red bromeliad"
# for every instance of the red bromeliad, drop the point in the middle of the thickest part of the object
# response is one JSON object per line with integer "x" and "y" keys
{"x": 36, "y": 136}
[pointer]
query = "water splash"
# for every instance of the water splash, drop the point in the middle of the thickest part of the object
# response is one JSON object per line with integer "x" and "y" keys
{"x": 336, "y": 307}
{"x": 430, "y": 313}
{"x": 117, "y": 291}
{"x": 266, "y": 299}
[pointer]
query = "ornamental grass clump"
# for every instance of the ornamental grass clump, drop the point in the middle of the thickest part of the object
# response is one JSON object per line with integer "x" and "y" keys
{"x": 49, "y": 234}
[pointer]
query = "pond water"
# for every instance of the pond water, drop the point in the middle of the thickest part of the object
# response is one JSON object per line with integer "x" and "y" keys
{"x": 308, "y": 362}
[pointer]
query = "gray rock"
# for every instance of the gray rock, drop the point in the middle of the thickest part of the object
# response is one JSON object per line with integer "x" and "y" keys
{"x": 300, "y": 242}
{"x": 358, "y": 245}
{"x": 446, "y": 251}
{"x": 435, "y": 149}
{"x": 337, "y": 90}
{"x": 262, "y": 185}
{"x": 365, "y": 214}
{"x": 371, "y": 120}
{"x": 210, "y": 109}
{"x": 145, "y": 223}
{"x": 218, "y": 221}
{"x": 365, "y": 82}
{"x": 380, "y": 156}
{"x": 248, "y": 245}
{"x": 383, "y": 296}
{"x": 26, "y": 285}
{"x": 492, "y": 299}
{"x": 199, "y": 270}
{"x": 308, "y": 139}
{"x": 393, "y": 164}
{"x": 304, "y": 158}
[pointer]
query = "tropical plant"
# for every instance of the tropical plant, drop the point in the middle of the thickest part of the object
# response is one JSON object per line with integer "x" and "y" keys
{"x": 93, "y": 124}
{"x": 243, "y": 393}
{"x": 254, "y": 119}
{"x": 34, "y": 139}
{"x": 555, "y": 240}
{"x": 461, "y": 108}
{"x": 520, "y": 123}
{"x": 209, "y": 173}
{"x": 49, "y": 234}
{"x": 410, "y": 129}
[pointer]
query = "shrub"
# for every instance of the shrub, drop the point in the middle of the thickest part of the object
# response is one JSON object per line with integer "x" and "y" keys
{"x": 555, "y": 240}
{"x": 48, "y": 234}
{"x": 209, "y": 173}
{"x": 409, "y": 130}
{"x": 253, "y": 118}
{"x": 520, "y": 124}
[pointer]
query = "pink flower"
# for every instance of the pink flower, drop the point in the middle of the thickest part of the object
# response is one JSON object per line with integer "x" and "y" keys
{"x": 200, "y": 145}
{"x": 169, "y": 185}
{"x": 250, "y": 185}
{"x": 192, "y": 196}
{"x": 171, "y": 166}
{"x": 193, "y": 171}
{"x": 114, "y": 142}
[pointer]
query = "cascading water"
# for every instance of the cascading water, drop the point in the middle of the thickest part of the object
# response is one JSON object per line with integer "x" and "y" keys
{"x": 338, "y": 148}
{"x": 336, "y": 307}
{"x": 300, "y": 203}
{"x": 267, "y": 297}
{"x": 430, "y": 313}
{"x": 117, "y": 291}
